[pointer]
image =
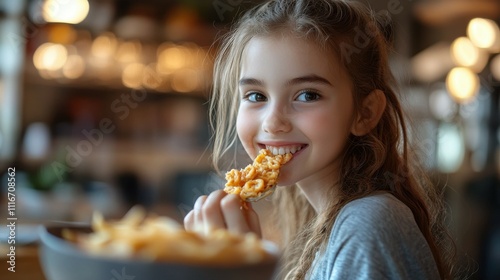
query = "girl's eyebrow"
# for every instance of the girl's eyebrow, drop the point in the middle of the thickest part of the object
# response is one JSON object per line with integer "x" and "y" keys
{"x": 251, "y": 82}
{"x": 308, "y": 79}
{"x": 299, "y": 80}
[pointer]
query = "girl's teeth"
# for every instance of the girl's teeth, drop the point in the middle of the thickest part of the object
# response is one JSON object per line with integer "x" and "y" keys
{"x": 284, "y": 150}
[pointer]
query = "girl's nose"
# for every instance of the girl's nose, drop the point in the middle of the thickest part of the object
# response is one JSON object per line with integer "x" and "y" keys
{"x": 276, "y": 120}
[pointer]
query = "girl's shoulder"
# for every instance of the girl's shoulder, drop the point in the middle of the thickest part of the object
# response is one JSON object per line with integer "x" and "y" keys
{"x": 376, "y": 237}
{"x": 380, "y": 201}
{"x": 381, "y": 211}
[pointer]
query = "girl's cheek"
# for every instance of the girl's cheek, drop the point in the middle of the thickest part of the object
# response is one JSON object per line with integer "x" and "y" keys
{"x": 247, "y": 129}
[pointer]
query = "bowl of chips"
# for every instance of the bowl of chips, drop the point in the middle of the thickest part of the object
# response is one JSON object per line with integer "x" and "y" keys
{"x": 139, "y": 247}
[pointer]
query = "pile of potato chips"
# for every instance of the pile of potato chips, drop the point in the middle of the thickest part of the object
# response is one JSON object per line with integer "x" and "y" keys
{"x": 158, "y": 238}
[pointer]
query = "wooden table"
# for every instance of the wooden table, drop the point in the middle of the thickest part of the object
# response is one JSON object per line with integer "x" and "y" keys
{"x": 27, "y": 263}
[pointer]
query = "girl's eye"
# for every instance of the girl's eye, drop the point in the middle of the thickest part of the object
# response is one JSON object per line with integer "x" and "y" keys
{"x": 255, "y": 97}
{"x": 307, "y": 96}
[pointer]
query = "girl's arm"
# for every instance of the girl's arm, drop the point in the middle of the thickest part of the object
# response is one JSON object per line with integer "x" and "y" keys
{"x": 221, "y": 210}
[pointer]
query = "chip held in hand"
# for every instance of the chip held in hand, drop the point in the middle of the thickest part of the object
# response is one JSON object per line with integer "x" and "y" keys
{"x": 258, "y": 179}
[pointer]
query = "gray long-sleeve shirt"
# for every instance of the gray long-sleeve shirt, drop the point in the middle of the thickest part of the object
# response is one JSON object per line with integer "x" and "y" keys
{"x": 375, "y": 237}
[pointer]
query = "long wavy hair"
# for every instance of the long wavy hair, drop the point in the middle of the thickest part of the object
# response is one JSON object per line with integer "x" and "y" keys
{"x": 377, "y": 161}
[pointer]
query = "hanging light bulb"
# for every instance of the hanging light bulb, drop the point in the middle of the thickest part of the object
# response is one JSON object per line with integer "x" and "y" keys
{"x": 50, "y": 56}
{"x": 72, "y": 12}
{"x": 466, "y": 54}
{"x": 484, "y": 33}
{"x": 462, "y": 83}
{"x": 132, "y": 75}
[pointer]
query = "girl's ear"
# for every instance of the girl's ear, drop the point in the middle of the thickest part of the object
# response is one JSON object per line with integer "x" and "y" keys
{"x": 372, "y": 108}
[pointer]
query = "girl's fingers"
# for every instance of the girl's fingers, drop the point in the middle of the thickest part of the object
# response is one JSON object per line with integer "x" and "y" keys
{"x": 198, "y": 214}
{"x": 220, "y": 210}
{"x": 253, "y": 220}
{"x": 199, "y": 203}
{"x": 235, "y": 215}
{"x": 211, "y": 212}
{"x": 189, "y": 220}
{"x": 235, "y": 220}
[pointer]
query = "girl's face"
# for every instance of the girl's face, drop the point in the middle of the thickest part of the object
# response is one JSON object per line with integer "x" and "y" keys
{"x": 295, "y": 97}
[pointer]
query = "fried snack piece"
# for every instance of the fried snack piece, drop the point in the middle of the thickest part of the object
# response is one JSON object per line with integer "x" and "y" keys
{"x": 257, "y": 179}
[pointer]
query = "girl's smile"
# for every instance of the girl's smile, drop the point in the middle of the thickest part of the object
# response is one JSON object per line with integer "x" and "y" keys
{"x": 282, "y": 148}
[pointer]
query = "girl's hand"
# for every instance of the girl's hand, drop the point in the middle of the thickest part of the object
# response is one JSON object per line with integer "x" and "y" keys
{"x": 221, "y": 210}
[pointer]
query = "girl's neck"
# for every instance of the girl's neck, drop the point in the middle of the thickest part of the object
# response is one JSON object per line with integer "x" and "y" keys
{"x": 320, "y": 190}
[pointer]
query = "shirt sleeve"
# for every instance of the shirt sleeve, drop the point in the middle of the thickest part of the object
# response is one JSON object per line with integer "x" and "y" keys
{"x": 375, "y": 238}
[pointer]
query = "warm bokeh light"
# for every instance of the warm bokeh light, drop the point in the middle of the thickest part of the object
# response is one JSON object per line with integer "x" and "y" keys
{"x": 72, "y": 12}
{"x": 185, "y": 80}
{"x": 201, "y": 58}
{"x": 129, "y": 52}
{"x": 172, "y": 58}
{"x": 465, "y": 54}
{"x": 462, "y": 83}
{"x": 104, "y": 46}
{"x": 61, "y": 33}
{"x": 74, "y": 67}
{"x": 50, "y": 74}
{"x": 151, "y": 78}
{"x": 483, "y": 32}
{"x": 432, "y": 63}
{"x": 495, "y": 67}
{"x": 132, "y": 75}
{"x": 168, "y": 67}
{"x": 50, "y": 56}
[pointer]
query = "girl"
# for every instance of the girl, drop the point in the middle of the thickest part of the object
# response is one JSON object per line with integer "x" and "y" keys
{"x": 311, "y": 77}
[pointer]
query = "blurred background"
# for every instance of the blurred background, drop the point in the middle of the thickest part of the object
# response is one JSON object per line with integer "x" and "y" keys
{"x": 103, "y": 106}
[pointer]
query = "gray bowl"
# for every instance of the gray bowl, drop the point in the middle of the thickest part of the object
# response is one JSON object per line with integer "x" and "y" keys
{"x": 63, "y": 260}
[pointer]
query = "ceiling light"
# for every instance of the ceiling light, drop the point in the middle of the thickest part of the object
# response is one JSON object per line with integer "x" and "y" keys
{"x": 465, "y": 53}
{"x": 462, "y": 83}
{"x": 72, "y": 12}
{"x": 483, "y": 32}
